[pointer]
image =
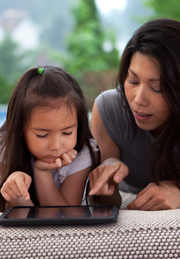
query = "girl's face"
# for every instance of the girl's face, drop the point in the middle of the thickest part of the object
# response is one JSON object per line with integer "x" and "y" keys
{"x": 51, "y": 132}
{"x": 144, "y": 95}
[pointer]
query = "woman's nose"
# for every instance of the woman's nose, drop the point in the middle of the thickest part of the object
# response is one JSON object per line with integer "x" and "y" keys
{"x": 141, "y": 96}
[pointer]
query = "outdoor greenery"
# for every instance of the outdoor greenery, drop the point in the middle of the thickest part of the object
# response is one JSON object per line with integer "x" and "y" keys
{"x": 54, "y": 22}
{"x": 75, "y": 37}
{"x": 12, "y": 65}
{"x": 82, "y": 54}
{"x": 85, "y": 43}
{"x": 165, "y": 9}
{"x": 87, "y": 60}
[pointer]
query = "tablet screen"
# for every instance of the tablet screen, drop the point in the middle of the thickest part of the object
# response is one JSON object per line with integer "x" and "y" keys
{"x": 50, "y": 215}
{"x": 60, "y": 212}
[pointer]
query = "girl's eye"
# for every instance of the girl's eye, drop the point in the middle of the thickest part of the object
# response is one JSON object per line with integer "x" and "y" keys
{"x": 67, "y": 133}
{"x": 41, "y": 136}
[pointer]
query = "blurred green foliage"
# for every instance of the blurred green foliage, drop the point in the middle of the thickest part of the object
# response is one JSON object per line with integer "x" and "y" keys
{"x": 53, "y": 17}
{"x": 87, "y": 57}
{"x": 74, "y": 41}
{"x": 11, "y": 67}
{"x": 84, "y": 55}
{"x": 85, "y": 43}
{"x": 165, "y": 9}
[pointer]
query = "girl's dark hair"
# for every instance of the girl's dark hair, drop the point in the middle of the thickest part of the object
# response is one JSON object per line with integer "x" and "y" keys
{"x": 160, "y": 39}
{"x": 39, "y": 90}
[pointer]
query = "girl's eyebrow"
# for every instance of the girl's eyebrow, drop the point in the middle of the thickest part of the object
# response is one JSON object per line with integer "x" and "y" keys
{"x": 42, "y": 129}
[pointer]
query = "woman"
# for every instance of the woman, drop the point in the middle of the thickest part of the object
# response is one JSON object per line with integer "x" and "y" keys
{"x": 139, "y": 121}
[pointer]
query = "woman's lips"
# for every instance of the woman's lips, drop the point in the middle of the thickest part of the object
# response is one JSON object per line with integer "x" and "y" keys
{"x": 142, "y": 116}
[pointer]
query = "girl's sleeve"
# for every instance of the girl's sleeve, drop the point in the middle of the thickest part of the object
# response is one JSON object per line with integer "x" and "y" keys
{"x": 82, "y": 161}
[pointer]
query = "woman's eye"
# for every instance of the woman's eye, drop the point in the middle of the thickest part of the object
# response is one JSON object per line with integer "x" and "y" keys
{"x": 67, "y": 133}
{"x": 156, "y": 91}
{"x": 41, "y": 136}
{"x": 133, "y": 82}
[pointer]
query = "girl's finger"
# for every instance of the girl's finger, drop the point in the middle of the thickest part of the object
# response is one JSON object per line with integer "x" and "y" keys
{"x": 6, "y": 196}
{"x": 72, "y": 154}
{"x": 10, "y": 193}
{"x": 58, "y": 162}
{"x": 66, "y": 160}
{"x": 22, "y": 187}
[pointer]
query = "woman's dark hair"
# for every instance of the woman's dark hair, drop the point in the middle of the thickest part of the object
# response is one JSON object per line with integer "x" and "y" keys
{"x": 39, "y": 90}
{"x": 160, "y": 39}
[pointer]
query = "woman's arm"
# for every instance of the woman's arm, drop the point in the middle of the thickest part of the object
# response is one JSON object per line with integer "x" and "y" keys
{"x": 104, "y": 179}
{"x": 164, "y": 196}
{"x": 107, "y": 147}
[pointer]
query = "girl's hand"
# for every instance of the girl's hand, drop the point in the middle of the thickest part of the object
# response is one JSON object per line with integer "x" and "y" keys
{"x": 99, "y": 178}
{"x": 66, "y": 158}
{"x": 59, "y": 162}
{"x": 16, "y": 185}
{"x": 164, "y": 196}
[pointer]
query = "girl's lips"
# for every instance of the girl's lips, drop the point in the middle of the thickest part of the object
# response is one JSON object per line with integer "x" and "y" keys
{"x": 141, "y": 116}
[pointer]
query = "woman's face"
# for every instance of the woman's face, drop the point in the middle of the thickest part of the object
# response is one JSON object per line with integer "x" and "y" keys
{"x": 144, "y": 94}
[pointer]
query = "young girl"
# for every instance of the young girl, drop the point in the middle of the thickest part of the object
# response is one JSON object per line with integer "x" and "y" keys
{"x": 47, "y": 150}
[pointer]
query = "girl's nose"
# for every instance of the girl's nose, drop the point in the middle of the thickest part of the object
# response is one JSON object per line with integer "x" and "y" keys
{"x": 55, "y": 144}
{"x": 141, "y": 96}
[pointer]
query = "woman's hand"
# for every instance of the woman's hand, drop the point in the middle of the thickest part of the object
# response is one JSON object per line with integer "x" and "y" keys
{"x": 99, "y": 178}
{"x": 164, "y": 196}
{"x": 16, "y": 185}
{"x": 59, "y": 162}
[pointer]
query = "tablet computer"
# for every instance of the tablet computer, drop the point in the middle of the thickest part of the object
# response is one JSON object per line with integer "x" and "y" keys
{"x": 59, "y": 215}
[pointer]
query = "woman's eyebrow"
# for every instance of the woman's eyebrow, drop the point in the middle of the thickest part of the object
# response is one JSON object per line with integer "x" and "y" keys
{"x": 150, "y": 79}
{"x": 132, "y": 72}
{"x": 154, "y": 79}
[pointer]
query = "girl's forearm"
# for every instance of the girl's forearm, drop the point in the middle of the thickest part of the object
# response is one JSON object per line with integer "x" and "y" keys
{"x": 19, "y": 202}
{"x": 48, "y": 193}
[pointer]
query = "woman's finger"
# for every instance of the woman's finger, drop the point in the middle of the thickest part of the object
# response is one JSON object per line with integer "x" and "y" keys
{"x": 102, "y": 174}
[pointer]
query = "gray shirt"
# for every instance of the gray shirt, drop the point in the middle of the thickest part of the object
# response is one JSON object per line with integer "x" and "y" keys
{"x": 132, "y": 141}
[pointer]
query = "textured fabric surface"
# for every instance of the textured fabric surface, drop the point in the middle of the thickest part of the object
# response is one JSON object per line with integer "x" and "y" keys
{"x": 137, "y": 234}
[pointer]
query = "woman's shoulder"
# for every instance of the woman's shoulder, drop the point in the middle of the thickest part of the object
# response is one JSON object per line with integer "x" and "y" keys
{"x": 109, "y": 104}
{"x": 108, "y": 95}
{"x": 109, "y": 101}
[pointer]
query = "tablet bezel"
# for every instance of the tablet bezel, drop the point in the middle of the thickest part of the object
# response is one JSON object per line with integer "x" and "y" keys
{"x": 58, "y": 221}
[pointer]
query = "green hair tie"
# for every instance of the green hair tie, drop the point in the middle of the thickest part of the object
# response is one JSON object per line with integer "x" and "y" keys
{"x": 40, "y": 70}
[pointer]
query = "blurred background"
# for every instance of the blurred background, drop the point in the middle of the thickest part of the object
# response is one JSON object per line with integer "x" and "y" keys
{"x": 85, "y": 37}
